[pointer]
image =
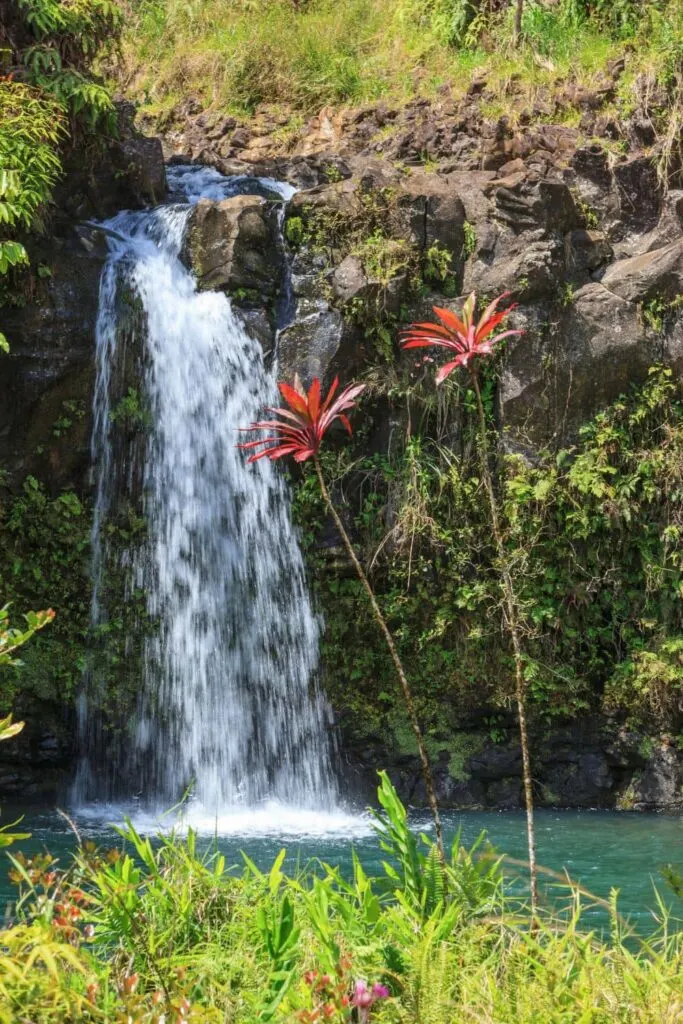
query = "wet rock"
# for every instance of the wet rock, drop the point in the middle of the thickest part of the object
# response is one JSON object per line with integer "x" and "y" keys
{"x": 233, "y": 245}
{"x": 505, "y": 794}
{"x": 140, "y": 158}
{"x": 496, "y": 762}
{"x": 128, "y": 174}
{"x": 586, "y": 781}
{"x": 51, "y": 362}
{"x": 659, "y": 785}
{"x": 313, "y": 344}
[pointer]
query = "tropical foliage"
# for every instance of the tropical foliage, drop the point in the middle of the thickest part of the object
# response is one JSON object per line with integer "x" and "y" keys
{"x": 311, "y": 418}
{"x": 12, "y": 638}
{"x": 300, "y": 429}
{"x": 468, "y": 338}
{"x": 474, "y": 340}
{"x": 46, "y": 96}
{"x": 592, "y": 531}
{"x": 163, "y": 929}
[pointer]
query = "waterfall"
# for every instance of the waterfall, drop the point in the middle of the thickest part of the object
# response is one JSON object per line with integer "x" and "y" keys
{"x": 226, "y": 696}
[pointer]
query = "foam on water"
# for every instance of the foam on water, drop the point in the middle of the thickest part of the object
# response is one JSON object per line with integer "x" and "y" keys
{"x": 271, "y": 820}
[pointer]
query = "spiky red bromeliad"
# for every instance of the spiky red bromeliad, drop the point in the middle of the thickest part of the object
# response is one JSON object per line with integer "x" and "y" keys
{"x": 301, "y": 427}
{"x": 467, "y": 338}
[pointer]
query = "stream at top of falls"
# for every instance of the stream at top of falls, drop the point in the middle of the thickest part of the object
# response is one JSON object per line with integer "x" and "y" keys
{"x": 227, "y": 704}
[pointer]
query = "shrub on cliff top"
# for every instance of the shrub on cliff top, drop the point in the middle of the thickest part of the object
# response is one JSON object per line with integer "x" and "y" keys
{"x": 46, "y": 96}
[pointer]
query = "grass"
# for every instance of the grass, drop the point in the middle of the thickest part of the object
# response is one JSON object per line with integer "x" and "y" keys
{"x": 237, "y": 55}
{"x": 163, "y": 932}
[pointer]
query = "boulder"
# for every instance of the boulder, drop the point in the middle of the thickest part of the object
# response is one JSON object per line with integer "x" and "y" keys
{"x": 585, "y": 251}
{"x": 433, "y": 214}
{"x": 654, "y": 274}
{"x": 128, "y": 173}
{"x": 233, "y": 244}
{"x": 640, "y": 193}
{"x": 602, "y": 351}
{"x": 318, "y": 344}
{"x": 585, "y": 781}
{"x": 556, "y": 377}
{"x": 349, "y": 280}
{"x": 529, "y": 205}
{"x": 505, "y": 794}
{"x": 660, "y": 785}
{"x": 531, "y": 268}
{"x": 669, "y": 227}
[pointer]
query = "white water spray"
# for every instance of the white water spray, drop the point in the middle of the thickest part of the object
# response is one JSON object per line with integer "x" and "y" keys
{"x": 227, "y": 700}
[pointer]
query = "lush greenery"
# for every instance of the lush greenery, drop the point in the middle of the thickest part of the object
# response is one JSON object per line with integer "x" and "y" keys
{"x": 47, "y": 95}
{"x": 45, "y": 549}
{"x": 240, "y": 54}
{"x": 13, "y": 639}
{"x": 592, "y": 533}
{"x": 166, "y": 931}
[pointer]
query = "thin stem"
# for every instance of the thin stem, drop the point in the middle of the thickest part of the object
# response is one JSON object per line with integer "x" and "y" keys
{"x": 518, "y": 22}
{"x": 405, "y": 686}
{"x": 512, "y": 614}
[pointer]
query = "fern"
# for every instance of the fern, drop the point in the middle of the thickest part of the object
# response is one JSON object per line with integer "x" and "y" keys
{"x": 51, "y": 46}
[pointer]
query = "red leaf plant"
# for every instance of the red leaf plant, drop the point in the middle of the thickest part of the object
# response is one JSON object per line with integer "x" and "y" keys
{"x": 472, "y": 340}
{"x": 301, "y": 427}
{"x": 299, "y": 431}
{"x": 464, "y": 336}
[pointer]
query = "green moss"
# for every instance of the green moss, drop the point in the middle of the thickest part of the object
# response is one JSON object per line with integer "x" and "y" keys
{"x": 294, "y": 231}
{"x": 603, "y": 511}
{"x": 461, "y": 747}
{"x": 45, "y": 561}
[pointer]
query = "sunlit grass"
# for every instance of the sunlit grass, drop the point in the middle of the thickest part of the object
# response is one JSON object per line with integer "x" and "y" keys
{"x": 236, "y": 55}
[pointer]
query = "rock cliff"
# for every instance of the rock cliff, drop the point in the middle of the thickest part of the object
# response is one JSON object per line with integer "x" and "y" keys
{"x": 398, "y": 210}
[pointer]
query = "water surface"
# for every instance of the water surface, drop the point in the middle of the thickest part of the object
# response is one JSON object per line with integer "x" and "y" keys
{"x": 599, "y": 849}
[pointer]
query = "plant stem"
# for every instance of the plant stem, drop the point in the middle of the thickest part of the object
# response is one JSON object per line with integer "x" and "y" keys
{"x": 405, "y": 686}
{"x": 512, "y": 615}
{"x": 518, "y": 22}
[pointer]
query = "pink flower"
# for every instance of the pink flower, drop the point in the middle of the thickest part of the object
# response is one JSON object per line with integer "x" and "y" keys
{"x": 364, "y": 998}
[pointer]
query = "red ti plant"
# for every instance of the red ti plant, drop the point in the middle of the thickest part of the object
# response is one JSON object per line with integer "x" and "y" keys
{"x": 473, "y": 340}
{"x": 298, "y": 431}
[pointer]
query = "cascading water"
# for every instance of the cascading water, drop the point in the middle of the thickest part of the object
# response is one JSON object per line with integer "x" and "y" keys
{"x": 227, "y": 701}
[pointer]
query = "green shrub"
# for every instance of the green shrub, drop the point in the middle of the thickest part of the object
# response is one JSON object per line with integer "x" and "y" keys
{"x": 162, "y": 929}
{"x": 592, "y": 532}
{"x": 51, "y": 44}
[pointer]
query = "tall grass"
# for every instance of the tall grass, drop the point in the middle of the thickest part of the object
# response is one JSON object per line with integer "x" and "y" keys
{"x": 239, "y": 54}
{"x": 166, "y": 932}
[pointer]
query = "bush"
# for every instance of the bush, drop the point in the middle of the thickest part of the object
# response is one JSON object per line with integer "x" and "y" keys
{"x": 161, "y": 930}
